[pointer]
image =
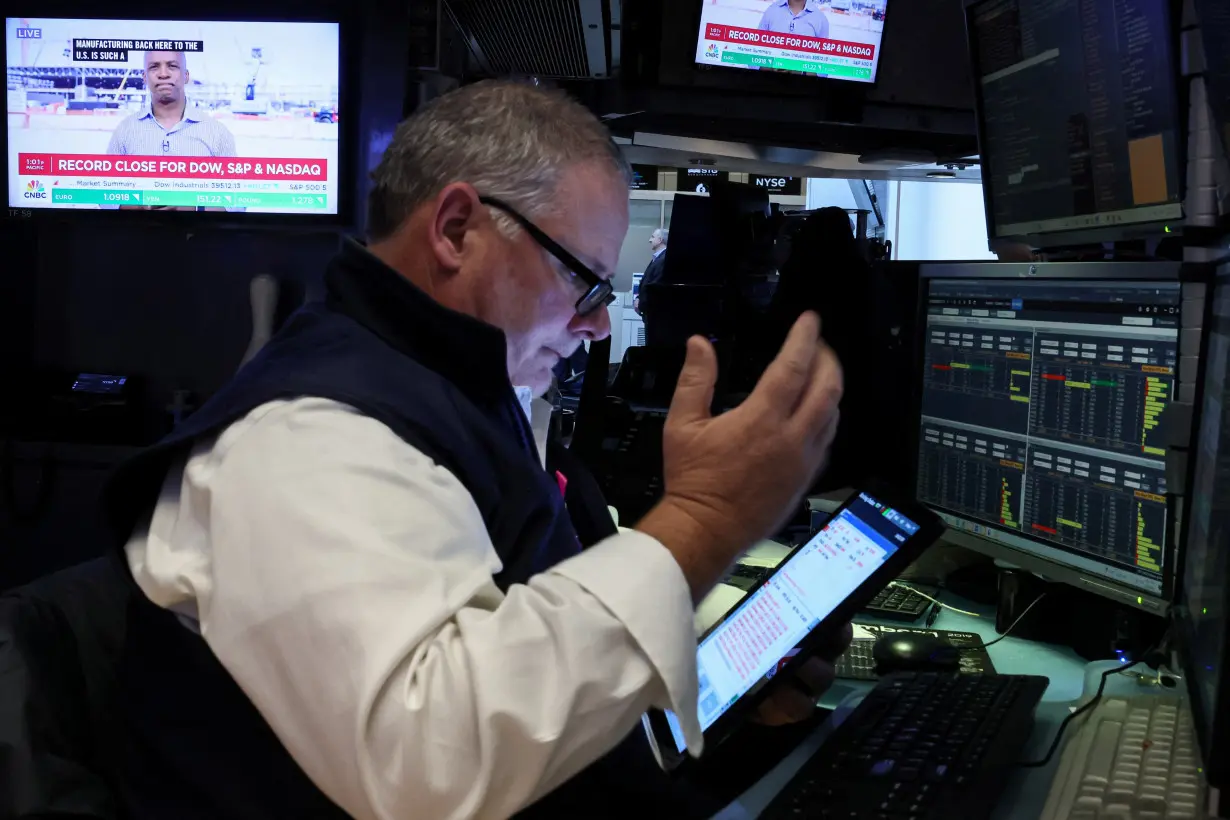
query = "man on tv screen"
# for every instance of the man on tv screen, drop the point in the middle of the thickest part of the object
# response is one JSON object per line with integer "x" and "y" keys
{"x": 795, "y": 17}
{"x": 235, "y": 116}
{"x": 170, "y": 125}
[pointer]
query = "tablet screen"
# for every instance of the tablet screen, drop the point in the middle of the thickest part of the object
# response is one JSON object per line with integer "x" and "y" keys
{"x": 761, "y": 634}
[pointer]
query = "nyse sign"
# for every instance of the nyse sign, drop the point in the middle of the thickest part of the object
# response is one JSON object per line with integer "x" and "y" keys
{"x": 787, "y": 186}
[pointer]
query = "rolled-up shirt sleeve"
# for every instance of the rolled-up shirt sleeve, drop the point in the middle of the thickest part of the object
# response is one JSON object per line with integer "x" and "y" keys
{"x": 350, "y": 594}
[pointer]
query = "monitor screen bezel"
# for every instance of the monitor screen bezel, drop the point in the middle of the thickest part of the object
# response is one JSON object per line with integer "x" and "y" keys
{"x": 1048, "y": 568}
{"x": 781, "y": 84}
{"x": 348, "y": 133}
{"x": 1216, "y": 766}
{"x": 1145, "y": 229}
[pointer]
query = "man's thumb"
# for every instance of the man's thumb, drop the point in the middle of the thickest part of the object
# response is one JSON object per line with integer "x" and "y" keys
{"x": 694, "y": 391}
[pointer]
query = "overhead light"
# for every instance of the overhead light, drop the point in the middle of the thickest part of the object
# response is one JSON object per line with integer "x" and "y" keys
{"x": 941, "y": 175}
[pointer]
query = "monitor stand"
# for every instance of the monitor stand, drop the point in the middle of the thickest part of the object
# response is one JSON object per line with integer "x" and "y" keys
{"x": 1095, "y": 628}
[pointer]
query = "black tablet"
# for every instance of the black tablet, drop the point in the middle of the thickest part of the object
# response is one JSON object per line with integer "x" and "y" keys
{"x": 820, "y": 584}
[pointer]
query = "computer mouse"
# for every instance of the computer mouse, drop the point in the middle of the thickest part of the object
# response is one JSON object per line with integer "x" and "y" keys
{"x": 914, "y": 652}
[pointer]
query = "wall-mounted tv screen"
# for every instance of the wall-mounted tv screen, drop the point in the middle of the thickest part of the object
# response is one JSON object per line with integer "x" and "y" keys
{"x": 239, "y": 117}
{"x": 834, "y": 39}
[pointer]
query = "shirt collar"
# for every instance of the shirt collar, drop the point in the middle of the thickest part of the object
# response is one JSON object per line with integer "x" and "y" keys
{"x": 659, "y": 252}
{"x": 469, "y": 353}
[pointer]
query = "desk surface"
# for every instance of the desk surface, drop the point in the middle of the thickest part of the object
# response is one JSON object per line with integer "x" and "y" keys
{"x": 1026, "y": 793}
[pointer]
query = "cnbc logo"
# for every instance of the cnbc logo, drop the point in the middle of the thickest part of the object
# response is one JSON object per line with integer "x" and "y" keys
{"x": 35, "y": 190}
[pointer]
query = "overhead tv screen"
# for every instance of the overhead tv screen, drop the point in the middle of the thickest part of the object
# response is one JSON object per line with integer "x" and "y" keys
{"x": 834, "y": 39}
{"x": 239, "y": 117}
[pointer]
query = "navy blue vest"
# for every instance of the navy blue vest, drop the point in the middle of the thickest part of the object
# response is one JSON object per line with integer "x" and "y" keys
{"x": 196, "y": 747}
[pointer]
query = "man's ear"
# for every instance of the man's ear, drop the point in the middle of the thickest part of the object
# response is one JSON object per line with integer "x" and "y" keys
{"x": 456, "y": 213}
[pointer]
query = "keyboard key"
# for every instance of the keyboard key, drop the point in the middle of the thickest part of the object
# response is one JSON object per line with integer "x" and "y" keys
{"x": 1102, "y": 755}
{"x": 1151, "y": 803}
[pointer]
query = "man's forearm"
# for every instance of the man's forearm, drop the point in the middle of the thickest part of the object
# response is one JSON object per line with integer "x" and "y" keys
{"x": 694, "y": 547}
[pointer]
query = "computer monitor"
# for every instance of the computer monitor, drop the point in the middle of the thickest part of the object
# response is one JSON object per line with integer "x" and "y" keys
{"x": 1203, "y": 603}
{"x": 235, "y": 118}
{"x": 1043, "y": 404}
{"x": 1080, "y": 129}
{"x": 837, "y": 39}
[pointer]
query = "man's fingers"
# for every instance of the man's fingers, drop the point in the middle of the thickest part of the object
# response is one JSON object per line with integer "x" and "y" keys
{"x": 694, "y": 390}
{"x": 785, "y": 705}
{"x": 846, "y": 638}
{"x": 823, "y": 392}
{"x": 786, "y": 378}
{"x": 815, "y": 675}
{"x": 827, "y": 385}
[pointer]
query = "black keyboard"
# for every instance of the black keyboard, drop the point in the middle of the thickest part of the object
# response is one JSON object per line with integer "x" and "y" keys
{"x": 922, "y": 745}
{"x": 897, "y": 604}
{"x": 856, "y": 663}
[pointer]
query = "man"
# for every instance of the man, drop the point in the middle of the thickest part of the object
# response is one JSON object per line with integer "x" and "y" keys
{"x": 170, "y": 126}
{"x": 360, "y": 593}
{"x": 795, "y": 17}
{"x": 655, "y": 268}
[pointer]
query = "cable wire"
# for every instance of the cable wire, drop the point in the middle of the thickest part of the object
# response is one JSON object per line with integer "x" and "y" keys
{"x": 932, "y": 600}
{"x": 1012, "y": 625}
{"x": 1050, "y": 752}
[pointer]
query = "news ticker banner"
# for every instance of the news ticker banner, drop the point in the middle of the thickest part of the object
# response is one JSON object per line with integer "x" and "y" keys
{"x": 232, "y": 182}
{"x": 791, "y": 52}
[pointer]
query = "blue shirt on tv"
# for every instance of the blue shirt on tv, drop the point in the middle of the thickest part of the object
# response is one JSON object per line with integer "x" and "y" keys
{"x": 197, "y": 134}
{"x": 810, "y": 22}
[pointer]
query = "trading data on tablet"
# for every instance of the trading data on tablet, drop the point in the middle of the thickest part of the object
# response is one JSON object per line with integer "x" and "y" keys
{"x": 766, "y": 627}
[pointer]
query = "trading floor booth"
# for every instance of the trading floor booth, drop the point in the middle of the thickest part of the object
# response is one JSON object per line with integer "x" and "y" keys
{"x": 1066, "y": 420}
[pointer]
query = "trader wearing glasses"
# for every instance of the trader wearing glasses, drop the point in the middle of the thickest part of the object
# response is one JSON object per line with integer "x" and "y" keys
{"x": 359, "y": 592}
{"x": 795, "y": 17}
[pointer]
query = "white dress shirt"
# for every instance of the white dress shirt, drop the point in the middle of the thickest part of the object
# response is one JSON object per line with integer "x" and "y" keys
{"x": 344, "y": 580}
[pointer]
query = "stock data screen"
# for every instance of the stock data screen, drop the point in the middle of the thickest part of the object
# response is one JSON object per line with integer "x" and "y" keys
{"x": 1041, "y": 417}
{"x": 1079, "y": 113}
{"x": 764, "y": 631}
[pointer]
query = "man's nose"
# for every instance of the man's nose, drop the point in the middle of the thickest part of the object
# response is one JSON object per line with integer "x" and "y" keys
{"x": 593, "y": 327}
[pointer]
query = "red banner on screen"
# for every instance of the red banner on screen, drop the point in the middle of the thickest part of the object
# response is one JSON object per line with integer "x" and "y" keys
{"x": 155, "y": 167}
{"x": 793, "y": 42}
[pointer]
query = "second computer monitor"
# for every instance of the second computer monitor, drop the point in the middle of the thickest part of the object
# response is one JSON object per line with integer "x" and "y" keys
{"x": 1080, "y": 127}
{"x": 1041, "y": 434}
{"x": 1203, "y": 603}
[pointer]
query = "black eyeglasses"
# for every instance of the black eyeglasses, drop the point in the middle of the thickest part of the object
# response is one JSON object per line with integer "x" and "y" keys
{"x": 599, "y": 294}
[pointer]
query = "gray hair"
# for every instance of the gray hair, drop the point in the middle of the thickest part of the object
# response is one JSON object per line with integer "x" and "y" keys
{"x": 664, "y": 234}
{"x": 510, "y": 140}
